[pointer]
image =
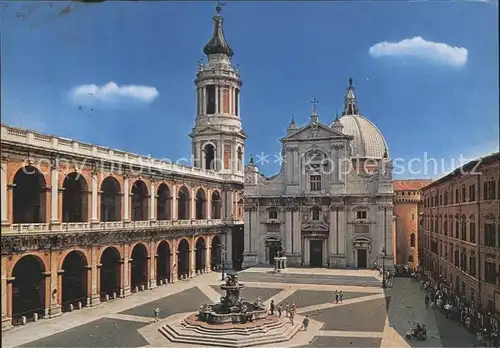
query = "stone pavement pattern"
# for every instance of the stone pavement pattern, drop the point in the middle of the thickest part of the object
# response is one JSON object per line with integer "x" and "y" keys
{"x": 360, "y": 321}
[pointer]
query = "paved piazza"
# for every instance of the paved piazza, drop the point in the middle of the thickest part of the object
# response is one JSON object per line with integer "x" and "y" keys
{"x": 368, "y": 316}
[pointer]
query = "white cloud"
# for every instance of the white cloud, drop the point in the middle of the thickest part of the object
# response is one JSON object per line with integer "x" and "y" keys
{"x": 111, "y": 92}
{"x": 418, "y": 47}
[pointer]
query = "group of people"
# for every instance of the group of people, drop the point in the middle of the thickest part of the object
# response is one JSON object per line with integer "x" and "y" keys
{"x": 289, "y": 311}
{"x": 460, "y": 309}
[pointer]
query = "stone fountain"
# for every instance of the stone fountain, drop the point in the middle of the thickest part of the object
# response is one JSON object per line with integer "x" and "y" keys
{"x": 233, "y": 322}
{"x": 232, "y": 307}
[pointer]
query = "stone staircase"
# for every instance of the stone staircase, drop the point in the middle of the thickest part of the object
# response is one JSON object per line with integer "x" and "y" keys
{"x": 233, "y": 337}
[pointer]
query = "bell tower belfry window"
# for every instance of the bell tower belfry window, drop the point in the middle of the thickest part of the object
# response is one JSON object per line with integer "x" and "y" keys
{"x": 217, "y": 137}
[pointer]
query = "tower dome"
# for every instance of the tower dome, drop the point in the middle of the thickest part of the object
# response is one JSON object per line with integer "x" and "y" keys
{"x": 368, "y": 141}
{"x": 217, "y": 43}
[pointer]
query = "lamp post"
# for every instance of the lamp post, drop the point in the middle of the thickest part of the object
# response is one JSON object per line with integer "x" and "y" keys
{"x": 384, "y": 253}
{"x": 222, "y": 258}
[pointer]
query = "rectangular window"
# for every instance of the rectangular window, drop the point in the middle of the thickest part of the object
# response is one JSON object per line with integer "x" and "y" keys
{"x": 463, "y": 193}
{"x": 315, "y": 181}
{"x": 464, "y": 231}
{"x": 210, "y": 99}
{"x": 457, "y": 229}
{"x": 227, "y": 156}
{"x": 273, "y": 214}
{"x": 413, "y": 216}
{"x": 361, "y": 214}
{"x": 489, "y": 234}
{"x": 472, "y": 265}
{"x": 225, "y": 100}
{"x": 489, "y": 190}
{"x": 219, "y": 99}
{"x": 490, "y": 275}
{"x": 472, "y": 193}
{"x": 457, "y": 200}
{"x": 472, "y": 232}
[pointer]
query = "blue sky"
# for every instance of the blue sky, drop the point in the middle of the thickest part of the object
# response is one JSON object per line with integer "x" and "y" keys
{"x": 424, "y": 97}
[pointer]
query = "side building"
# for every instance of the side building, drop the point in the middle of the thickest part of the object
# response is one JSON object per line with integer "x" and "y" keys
{"x": 82, "y": 223}
{"x": 461, "y": 224}
{"x": 407, "y": 201}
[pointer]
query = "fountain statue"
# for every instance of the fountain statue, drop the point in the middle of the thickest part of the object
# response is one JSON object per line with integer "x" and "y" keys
{"x": 232, "y": 308}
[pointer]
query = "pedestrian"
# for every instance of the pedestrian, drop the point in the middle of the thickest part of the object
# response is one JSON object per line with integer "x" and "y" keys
{"x": 157, "y": 314}
{"x": 341, "y": 296}
{"x": 336, "y": 296}
{"x": 292, "y": 315}
{"x": 305, "y": 323}
{"x": 292, "y": 308}
{"x": 287, "y": 310}
{"x": 272, "y": 307}
{"x": 280, "y": 310}
{"x": 426, "y": 301}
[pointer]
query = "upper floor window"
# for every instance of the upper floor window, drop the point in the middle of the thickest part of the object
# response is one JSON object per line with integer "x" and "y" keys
{"x": 315, "y": 182}
{"x": 463, "y": 193}
{"x": 440, "y": 199}
{"x": 472, "y": 193}
{"x": 489, "y": 189}
{"x": 412, "y": 240}
{"x": 472, "y": 232}
{"x": 489, "y": 234}
{"x": 315, "y": 213}
{"x": 413, "y": 216}
{"x": 273, "y": 214}
{"x": 456, "y": 196}
{"x": 446, "y": 198}
{"x": 361, "y": 214}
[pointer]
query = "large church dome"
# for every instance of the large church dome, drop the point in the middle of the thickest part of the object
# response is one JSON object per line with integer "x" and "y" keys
{"x": 368, "y": 141}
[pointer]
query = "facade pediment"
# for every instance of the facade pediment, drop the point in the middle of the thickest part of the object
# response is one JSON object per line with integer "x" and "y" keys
{"x": 314, "y": 131}
{"x": 317, "y": 227}
{"x": 208, "y": 130}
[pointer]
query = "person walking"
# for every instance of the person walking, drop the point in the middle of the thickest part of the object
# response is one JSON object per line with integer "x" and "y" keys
{"x": 280, "y": 310}
{"x": 287, "y": 310}
{"x": 426, "y": 301}
{"x": 271, "y": 307}
{"x": 305, "y": 323}
{"x": 336, "y": 296}
{"x": 157, "y": 314}
{"x": 341, "y": 296}
{"x": 292, "y": 315}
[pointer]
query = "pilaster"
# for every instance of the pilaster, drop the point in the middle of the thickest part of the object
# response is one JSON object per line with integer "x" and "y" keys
{"x": 54, "y": 193}
{"x": 152, "y": 200}
{"x": 3, "y": 193}
{"x": 126, "y": 199}
{"x": 95, "y": 194}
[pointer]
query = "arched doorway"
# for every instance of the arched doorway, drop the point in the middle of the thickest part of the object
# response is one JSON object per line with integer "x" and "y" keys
{"x": 111, "y": 202}
{"x": 201, "y": 250}
{"x": 216, "y": 253}
{"x": 74, "y": 279}
{"x": 183, "y": 204}
{"x": 209, "y": 152}
{"x": 28, "y": 288}
{"x": 139, "y": 201}
{"x": 75, "y": 198}
{"x": 110, "y": 272}
{"x": 163, "y": 263}
{"x": 163, "y": 202}
{"x": 216, "y": 205}
{"x": 273, "y": 246}
{"x": 201, "y": 205}
{"x": 183, "y": 259}
{"x": 29, "y": 196}
{"x": 139, "y": 266}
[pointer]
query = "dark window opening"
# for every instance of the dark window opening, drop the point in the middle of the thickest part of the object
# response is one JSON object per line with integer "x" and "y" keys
{"x": 210, "y": 99}
{"x": 236, "y": 102}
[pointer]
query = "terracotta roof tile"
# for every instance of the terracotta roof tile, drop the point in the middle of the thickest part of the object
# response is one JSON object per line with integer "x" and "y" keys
{"x": 412, "y": 184}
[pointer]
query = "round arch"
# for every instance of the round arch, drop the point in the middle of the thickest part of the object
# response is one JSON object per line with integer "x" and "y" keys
{"x": 75, "y": 198}
{"x": 140, "y": 201}
{"x": 183, "y": 203}
{"x": 216, "y": 205}
{"x": 29, "y": 196}
{"x": 163, "y": 202}
{"x": 183, "y": 253}
{"x": 111, "y": 199}
{"x": 139, "y": 266}
{"x": 200, "y": 256}
{"x": 209, "y": 156}
{"x": 216, "y": 252}
{"x": 74, "y": 279}
{"x": 163, "y": 262}
{"x": 201, "y": 204}
{"x": 28, "y": 287}
{"x": 110, "y": 271}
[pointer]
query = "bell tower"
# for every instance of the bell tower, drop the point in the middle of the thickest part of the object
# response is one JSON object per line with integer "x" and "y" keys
{"x": 217, "y": 137}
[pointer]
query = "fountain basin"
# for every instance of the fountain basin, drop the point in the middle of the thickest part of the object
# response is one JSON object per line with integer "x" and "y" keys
{"x": 217, "y": 314}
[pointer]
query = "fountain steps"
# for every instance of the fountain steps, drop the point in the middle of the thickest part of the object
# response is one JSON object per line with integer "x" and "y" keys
{"x": 232, "y": 338}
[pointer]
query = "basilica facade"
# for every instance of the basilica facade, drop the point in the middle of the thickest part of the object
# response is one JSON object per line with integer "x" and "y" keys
{"x": 331, "y": 204}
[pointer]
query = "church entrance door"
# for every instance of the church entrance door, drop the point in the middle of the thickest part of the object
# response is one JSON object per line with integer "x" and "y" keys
{"x": 362, "y": 258}
{"x": 316, "y": 252}
{"x": 273, "y": 252}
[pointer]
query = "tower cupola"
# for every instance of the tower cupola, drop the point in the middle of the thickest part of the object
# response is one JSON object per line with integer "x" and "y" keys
{"x": 217, "y": 43}
{"x": 350, "y": 104}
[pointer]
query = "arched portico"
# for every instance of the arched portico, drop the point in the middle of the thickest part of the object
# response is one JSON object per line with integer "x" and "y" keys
{"x": 216, "y": 205}
{"x": 75, "y": 198}
{"x": 216, "y": 253}
{"x": 140, "y": 201}
{"x": 28, "y": 287}
{"x": 139, "y": 266}
{"x": 164, "y": 202}
{"x": 183, "y": 206}
{"x": 201, "y": 202}
{"x": 29, "y": 196}
{"x": 163, "y": 271}
{"x": 200, "y": 249}
{"x": 110, "y": 272}
{"x": 74, "y": 279}
{"x": 183, "y": 259}
{"x": 111, "y": 200}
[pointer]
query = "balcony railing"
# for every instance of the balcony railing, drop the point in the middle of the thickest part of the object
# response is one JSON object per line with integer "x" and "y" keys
{"x": 110, "y": 225}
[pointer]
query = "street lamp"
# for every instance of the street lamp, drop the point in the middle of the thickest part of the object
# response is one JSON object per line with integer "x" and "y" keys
{"x": 384, "y": 253}
{"x": 222, "y": 258}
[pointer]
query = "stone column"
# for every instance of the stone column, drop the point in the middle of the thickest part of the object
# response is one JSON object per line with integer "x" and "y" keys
{"x": 125, "y": 277}
{"x": 94, "y": 201}
{"x": 288, "y": 231}
{"x": 246, "y": 230}
{"x": 297, "y": 242}
{"x": 192, "y": 204}
{"x": 3, "y": 193}
{"x": 192, "y": 259}
{"x": 209, "y": 204}
{"x": 333, "y": 235}
{"x": 229, "y": 247}
{"x": 173, "y": 205}
{"x": 151, "y": 272}
{"x": 126, "y": 199}
{"x": 152, "y": 200}
{"x": 54, "y": 194}
{"x": 6, "y": 286}
{"x": 307, "y": 256}
{"x": 296, "y": 166}
{"x": 173, "y": 262}
{"x": 342, "y": 230}
{"x": 204, "y": 100}
{"x": 208, "y": 253}
{"x": 217, "y": 99}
